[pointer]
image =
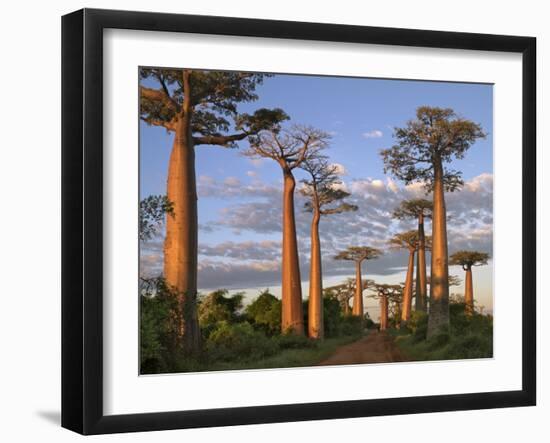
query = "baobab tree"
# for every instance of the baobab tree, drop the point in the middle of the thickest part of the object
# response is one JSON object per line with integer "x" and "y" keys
{"x": 199, "y": 107}
{"x": 419, "y": 209}
{"x": 358, "y": 254}
{"x": 409, "y": 241}
{"x": 344, "y": 293}
{"x": 290, "y": 148}
{"x": 468, "y": 259}
{"x": 424, "y": 145}
{"x": 383, "y": 292}
{"x": 324, "y": 198}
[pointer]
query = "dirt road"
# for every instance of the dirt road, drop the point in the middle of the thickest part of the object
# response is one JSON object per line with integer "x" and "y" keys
{"x": 377, "y": 347}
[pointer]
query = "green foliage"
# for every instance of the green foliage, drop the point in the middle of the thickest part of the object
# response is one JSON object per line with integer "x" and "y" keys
{"x": 158, "y": 334}
{"x": 292, "y": 341}
{"x": 218, "y": 307}
{"x": 436, "y": 135}
{"x": 265, "y": 313}
{"x": 152, "y": 210}
{"x": 332, "y": 316}
{"x": 418, "y": 326}
{"x": 238, "y": 342}
{"x": 413, "y": 208}
{"x": 467, "y": 337}
{"x": 351, "y": 325}
{"x": 358, "y": 253}
{"x": 467, "y": 259}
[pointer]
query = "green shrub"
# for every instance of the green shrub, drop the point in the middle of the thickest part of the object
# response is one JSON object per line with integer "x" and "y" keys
{"x": 352, "y": 325}
{"x": 291, "y": 341}
{"x": 265, "y": 313}
{"x": 238, "y": 342}
{"x": 157, "y": 327}
{"x": 218, "y": 306}
{"x": 332, "y": 316}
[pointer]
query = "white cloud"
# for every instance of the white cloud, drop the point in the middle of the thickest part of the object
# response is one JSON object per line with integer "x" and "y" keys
{"x": 232, "y": 181}
{"x": 249, "y": 263}
{"x": 375, "y": 133}
{"x": 339, "y": 169}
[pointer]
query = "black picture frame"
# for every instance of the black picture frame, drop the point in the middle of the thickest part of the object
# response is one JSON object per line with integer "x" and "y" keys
{"x": 82, "y": 218}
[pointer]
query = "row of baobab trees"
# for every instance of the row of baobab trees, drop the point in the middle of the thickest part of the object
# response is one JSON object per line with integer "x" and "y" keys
{"x": 200, "y": 108}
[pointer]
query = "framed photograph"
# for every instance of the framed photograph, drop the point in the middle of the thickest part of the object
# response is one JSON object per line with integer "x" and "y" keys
{"x": 268, "y": 221}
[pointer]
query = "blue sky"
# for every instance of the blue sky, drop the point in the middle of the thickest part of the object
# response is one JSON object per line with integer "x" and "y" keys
{"x": 238, "y": 196}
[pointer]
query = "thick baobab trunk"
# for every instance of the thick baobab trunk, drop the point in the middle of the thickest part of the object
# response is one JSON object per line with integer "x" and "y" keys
{"x": 315, "y": 305}
{"x": 358, "y": 298}
{"x": 383, "y": 312}
{"x": 421, "y": 280}
{"x": 292, "y": 314}
{"x": 180, "y": 245}
{"x": 439, "y": 284}
{"x": 469, "y": 292}
{"x": 407, "y": 290}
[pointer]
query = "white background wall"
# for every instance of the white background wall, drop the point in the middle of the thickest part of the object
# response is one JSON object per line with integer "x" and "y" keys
{"x": 30, "y": 218}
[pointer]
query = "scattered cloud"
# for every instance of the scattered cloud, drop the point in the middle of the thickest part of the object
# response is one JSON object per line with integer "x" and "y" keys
{"x": 232, "y": 264}
{"x": 375, "y": 133}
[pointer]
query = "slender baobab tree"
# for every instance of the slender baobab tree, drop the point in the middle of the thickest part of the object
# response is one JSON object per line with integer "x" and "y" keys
{"x": 419, "y": 209}
{"x": 290, "y": 148}
{"x": 383, "y": 292}
{"x": 409, "y": 241}
{"x": 358, "y": 254}
{"x": 324, "y": 198}
{"x": 424, "y": 145}
{"x": 468, "y": 259}
{"x": 199, "y": 107}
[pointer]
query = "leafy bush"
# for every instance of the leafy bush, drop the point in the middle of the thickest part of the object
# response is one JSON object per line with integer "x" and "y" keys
{"x": 351, "y": 325}
{"x": 217, "y": 307}
{"x": 265, "y": 313}
{"x": 158, "y": 329}
{"x": 467, "y": 337}
{"x": 238, "y": 342}
{"x": 291, "y": 341}
{"x": 332, "y": 316}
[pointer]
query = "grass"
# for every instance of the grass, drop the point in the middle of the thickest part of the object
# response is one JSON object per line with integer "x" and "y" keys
{"x": 468, "y": 337}
{"x": 311, "y": 355}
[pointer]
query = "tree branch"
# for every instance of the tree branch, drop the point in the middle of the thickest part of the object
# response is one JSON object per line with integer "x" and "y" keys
{"x": 220, "y": 140}
{"x": 169, "y": 126}
{"x": 158, "y": 95}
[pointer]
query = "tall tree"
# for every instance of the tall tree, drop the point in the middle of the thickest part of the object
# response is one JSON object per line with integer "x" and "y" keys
{"x": 324, "y": 198}
{"x": 469, "y": 259}
{"x": 424, "y": 145}
{"x": 358, "y": 254}
{"x": 384, "y": 292}
{"x": 199, "y": 107}
{"x": 290, "y": 148}
{"x": 409, "y": 241}
{"x": 419, "y": 209}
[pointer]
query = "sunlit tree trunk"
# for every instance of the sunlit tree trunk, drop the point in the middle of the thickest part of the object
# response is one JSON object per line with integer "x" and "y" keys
{"x": 315, "y": 305}
{"x": 292, "y": 314}
{"x": 421, "y": 280}
{"x": 439, "y": 283}
{"x": 383, "y": 312}
{"x": 180, "y": 245}
{"x": 357, "y": 309}
{"x": 407, "y": 291}
{"x": 469, "y": 292}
